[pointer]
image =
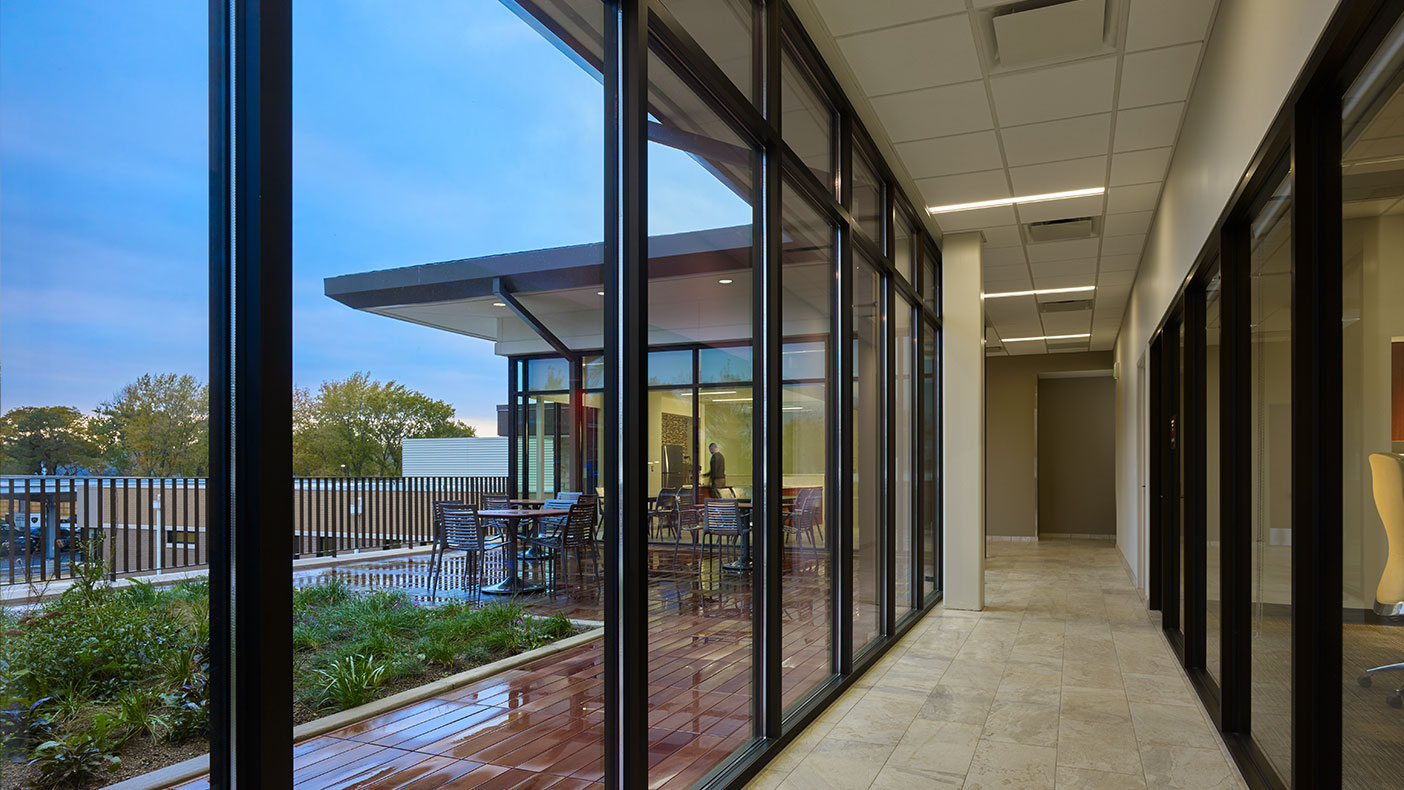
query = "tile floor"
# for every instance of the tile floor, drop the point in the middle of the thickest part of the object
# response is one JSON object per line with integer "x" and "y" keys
{"x": 1062, "y": 682}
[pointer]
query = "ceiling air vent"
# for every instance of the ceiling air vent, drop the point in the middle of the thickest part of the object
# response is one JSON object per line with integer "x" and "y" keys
{"x": 1074, "y": 345}
{"x": 1062, "y": 229}
{"x": 1043, "y": 31}
{"x": 1065, "y": 306}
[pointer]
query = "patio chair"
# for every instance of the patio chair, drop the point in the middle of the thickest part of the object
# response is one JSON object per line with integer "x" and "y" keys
{"x": 722, "y": 520}
{"x": 689, "y": 520}
{"x": 569, "y": 496}
{"x": 577, "y": 534}
{"x": 663, "y": 514}
{"x": 458, "y": 528}
{"x": 803, "y": 519}
{"x": 546, "y": 526}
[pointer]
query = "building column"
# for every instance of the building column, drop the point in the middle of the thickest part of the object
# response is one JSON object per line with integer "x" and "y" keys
{"x": 963, "y": 418}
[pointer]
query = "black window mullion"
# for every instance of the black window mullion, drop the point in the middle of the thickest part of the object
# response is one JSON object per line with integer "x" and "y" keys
{"x": 843, "y": 436}
{"x": 1236, "y": 463}
{"x": 889, "y": 490}
{"x": 1317, "y": 404}
{"x": 1194, "y": 516}
{"x": 626, "y": 395}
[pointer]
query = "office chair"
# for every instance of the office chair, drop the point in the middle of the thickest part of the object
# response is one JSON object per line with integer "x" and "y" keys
{"x": 1387, "y": 476}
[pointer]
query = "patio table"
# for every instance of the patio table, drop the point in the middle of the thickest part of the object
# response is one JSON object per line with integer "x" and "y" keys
{"x": 513, "y": 584}
{"x": 744, "y": 562}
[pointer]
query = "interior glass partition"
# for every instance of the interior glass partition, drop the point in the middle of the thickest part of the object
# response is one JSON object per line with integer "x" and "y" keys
{"x": 1213, "y": 478}
{"x": 869, "y": 465}
{"x": 930, "y": 459}
{"x": 1270, "y": 360}
{"x": 1372, "y": 358}
{"x": 702, "y": 183}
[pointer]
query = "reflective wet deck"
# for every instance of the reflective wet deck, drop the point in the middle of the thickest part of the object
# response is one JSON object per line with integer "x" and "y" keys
{"x": 541, "y": 725}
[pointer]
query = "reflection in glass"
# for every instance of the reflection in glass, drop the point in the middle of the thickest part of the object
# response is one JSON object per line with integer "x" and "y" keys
{"x": 728, "y": 31}
{"x": 1372, "y": 359}
{"x": 806, "y": 567}
{"x": 930, "y": 456}
{"x": 1270, "y": 361}
{"x": 1182, "y": 429}
{"x": 867, "y": 196}
{"x": 902, "y": 253}
{"x": 701, "y": 191}
{"x": 808, "y": 120}
{"x": 868, "y": 454}
{"x": 1212, "y": 481}
{"x": 904, "y": 451}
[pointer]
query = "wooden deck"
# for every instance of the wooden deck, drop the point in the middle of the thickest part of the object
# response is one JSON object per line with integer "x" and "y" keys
{"x": 541, "y": 725}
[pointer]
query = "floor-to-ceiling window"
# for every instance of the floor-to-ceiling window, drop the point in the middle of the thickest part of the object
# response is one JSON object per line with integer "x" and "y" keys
{"x": 702, "y": 187}
{"x": 869, "y": 462}
{"x": 1213, "y": 540}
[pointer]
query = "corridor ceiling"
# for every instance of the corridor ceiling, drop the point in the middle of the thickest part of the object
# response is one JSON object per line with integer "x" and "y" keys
{"x": 985, "y": 99}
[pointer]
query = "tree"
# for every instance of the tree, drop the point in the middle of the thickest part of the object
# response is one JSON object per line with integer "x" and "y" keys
{"x": 46, "y": 439}
{"x": 355, "y": 426}
{"x": 158, "y": 426}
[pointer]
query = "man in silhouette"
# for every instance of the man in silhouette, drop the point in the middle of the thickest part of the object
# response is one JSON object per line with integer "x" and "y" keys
{"x": 716, "y": 470}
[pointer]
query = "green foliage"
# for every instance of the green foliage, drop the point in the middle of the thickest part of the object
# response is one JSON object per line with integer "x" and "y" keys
{"x": 72, "y": 760}
{"x": 352, "y": 680}
{"x": 55, "y": 439}
{"x": 355, "y": 426}
{"x": 158, "y": 426}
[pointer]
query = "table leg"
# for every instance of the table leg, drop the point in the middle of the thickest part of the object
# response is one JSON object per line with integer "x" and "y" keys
{"x": 513, "y": 584}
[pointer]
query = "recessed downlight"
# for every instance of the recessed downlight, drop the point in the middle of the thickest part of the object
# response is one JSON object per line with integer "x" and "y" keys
{"x": 499, "y": 304}
{"x": 724, "y": 281}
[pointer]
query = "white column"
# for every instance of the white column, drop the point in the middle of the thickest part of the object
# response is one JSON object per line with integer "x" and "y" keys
{"x": 963, "y": 418}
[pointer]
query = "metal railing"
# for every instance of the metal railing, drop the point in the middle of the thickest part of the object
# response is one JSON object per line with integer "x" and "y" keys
{"x": 141, "y": 525}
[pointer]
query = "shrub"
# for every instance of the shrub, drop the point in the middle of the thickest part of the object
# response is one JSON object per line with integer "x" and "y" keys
{"x": 351, "y": 681}
{"x": 70, "y": 761}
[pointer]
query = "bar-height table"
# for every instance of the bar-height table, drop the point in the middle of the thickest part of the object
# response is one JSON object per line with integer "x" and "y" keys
{"x": 513, "y": 584}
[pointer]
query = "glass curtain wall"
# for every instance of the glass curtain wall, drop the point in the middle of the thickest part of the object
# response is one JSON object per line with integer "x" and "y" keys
{"x": 869, "y": 464}
{"x": 1270, "y": 360}
{"x": 906, "y": 415}
{"x": 930, "y": 459}
{"x": 105, "y": 412}
{"x": 702, "y": 186}
{"x": 807, "y": 605}
{"x": 1372, "y": 357}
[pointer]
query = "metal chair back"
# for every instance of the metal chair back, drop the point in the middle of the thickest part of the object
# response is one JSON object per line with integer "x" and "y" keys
{"x": 723, "y": 517}
{"x": 462, "y": 529}
{"x": 497, "y": 502}
{"x": 569, "y": 496}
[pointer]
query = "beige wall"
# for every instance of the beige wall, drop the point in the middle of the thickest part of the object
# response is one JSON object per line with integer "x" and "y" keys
{"x": 1011, "y": 386}
{"x": 1255, "y": 51}
{"x": 1076, "y": 456}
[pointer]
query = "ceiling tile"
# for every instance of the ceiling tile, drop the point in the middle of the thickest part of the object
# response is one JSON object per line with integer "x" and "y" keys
{"x": 845, "y": 16}
{"x": 1120, "y": 263}
{"x": 1082, "y": 267}
{"x": 1054, "y": 280}
{"x": 1160, "y": 23}
{"x": 1072, "y": 208}
{"x": 974, "y": 220}
{"x": 963, "y": 188}
{"x": 1123, "y": 245}
{"x": 1059, "y": 176}
{"x": 1070, "y": 138}
{"x": 1047, "y": 94}
{"x": 1025, "y": 349}
{"x": 935, "y": 112}
{"x": 1157, "y": 76}
{"x": 1005, "y": 274}
{"x": 1138, "y": 167}
{"x": 1013, "y": 311}
{"x": 1148, "y": 127}
{"x": 1063, "y": 250}
{"x": 1003, "y": 256}
{"x": 912, "y": 56}
{"x": 943, "y": 156}
{"x": 1137, "y": 222}
{"x": 1140, "y": 197}
{"x": 1067, "y": 323}
{"x": 1116, "y": 278}
{"x": 1003, "y": 236}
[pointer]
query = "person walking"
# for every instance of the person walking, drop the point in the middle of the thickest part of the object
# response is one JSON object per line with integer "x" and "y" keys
{"x": 716, "y": 470}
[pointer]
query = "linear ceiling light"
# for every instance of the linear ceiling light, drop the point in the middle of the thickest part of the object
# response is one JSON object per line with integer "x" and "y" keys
{"x": 1041, "y": 292}
{"x": 1009, "y": 201}
{"x": 1047, "y": 337}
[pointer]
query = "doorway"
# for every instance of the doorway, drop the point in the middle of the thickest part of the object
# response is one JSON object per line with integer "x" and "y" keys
{"x": 1076, "y": 455}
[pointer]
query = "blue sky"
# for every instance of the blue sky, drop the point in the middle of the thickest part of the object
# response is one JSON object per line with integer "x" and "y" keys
{"x": 425, "y": 130}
